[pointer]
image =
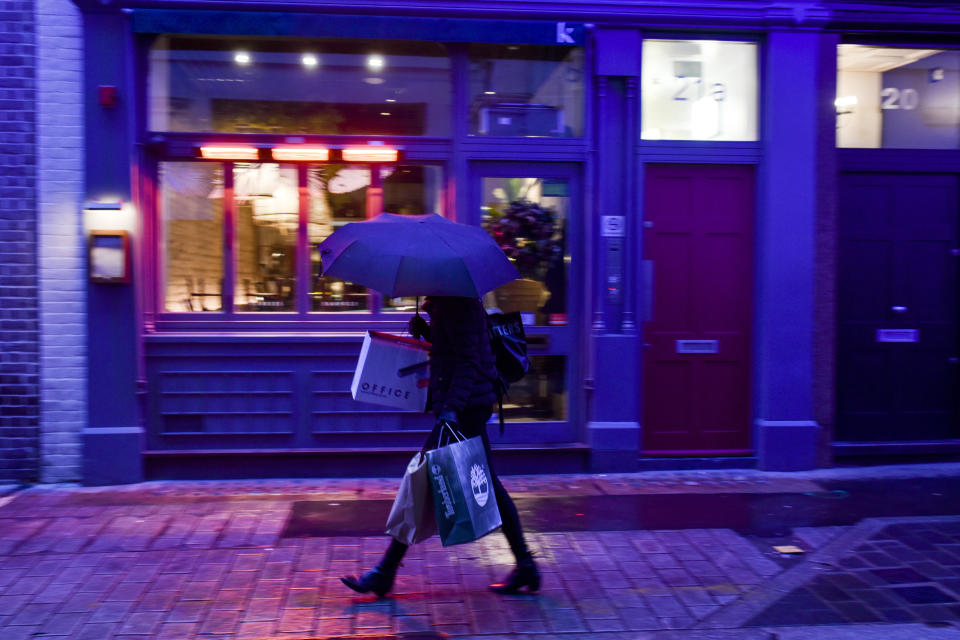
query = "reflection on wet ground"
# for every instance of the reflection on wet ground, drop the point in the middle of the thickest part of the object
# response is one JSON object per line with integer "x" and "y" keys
{"x": 841, "y": 502}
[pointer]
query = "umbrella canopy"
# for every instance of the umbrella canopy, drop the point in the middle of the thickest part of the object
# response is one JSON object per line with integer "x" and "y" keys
{"x": 424, "y": 255}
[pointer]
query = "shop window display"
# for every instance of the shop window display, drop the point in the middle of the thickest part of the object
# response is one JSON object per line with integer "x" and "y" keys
{"x": 528, "y": 219}
{"x": 191, "y": 236}
{"x": 541, "y": 395}
{"x": 897, "y": 98}
{"x": 339, "y": 195}
{"x": 267, "y": 203}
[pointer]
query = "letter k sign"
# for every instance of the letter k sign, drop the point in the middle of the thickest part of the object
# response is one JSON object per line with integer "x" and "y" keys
{"x": 564, "y": 33}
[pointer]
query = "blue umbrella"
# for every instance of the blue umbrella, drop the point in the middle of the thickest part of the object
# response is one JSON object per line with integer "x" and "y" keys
{"x": 424, "y": 255}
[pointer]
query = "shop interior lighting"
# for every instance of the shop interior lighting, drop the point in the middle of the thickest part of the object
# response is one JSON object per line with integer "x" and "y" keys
{"x": 375, "y": 62}
{"x": 242, "y": 58}
{"x": 301, "y": 153}
{"x": 370, "y": 154}
{"x": 309, "y": 60}
{"x": 391, "y": 99}
{"x": 229, "y": 152}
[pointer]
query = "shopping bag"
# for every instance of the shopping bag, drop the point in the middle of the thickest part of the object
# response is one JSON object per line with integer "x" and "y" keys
{"x": 392, "y": 371}
{"x": 411, "y": 518}
{"x": 463, "y": 499}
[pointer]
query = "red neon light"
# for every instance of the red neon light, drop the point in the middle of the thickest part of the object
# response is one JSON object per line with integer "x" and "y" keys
{"x": 221, "y": 152}
{"x": 370, "y": 154}
{"x": 299, "y": 153}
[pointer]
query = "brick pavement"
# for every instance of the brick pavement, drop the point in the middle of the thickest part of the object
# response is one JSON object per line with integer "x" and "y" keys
{"x": 207, "y": 560}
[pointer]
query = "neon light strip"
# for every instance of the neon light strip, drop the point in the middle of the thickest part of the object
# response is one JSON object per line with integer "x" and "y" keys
{"x": 293, "y": 154}
{"x": 370, "y": 154}
{"x": 229, "y": 153}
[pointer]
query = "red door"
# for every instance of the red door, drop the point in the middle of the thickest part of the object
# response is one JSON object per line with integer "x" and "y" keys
{"x": 696, "y": 380}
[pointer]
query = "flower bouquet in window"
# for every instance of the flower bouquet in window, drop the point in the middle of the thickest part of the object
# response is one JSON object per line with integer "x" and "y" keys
{"x": 531, "y": 236}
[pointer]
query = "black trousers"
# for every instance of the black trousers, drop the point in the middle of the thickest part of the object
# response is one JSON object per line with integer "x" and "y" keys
{"x": 473, "y": 422}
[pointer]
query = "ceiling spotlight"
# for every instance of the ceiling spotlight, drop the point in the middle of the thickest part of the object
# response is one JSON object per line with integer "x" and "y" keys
{"x": 242, "y": 57}
{"x": 375, "y": 62}
{"x": 384, "y": 113}
{"x": 309, "y": 60}
{"x": 489, "y": 93}
{"x": 391, "y": 100}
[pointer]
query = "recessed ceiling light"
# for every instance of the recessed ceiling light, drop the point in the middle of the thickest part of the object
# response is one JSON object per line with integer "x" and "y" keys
{"x": 490, "y": 93}
{"x": 391, "y": 100}
{"x": 242, "y": 57}
{"x": 309, "y": 60}
{"x": 375, "y": 61}
{"x": 384, "y": 113}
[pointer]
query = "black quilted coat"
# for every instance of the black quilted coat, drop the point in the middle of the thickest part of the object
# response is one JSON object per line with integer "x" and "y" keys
{"x": 462, "y": 366}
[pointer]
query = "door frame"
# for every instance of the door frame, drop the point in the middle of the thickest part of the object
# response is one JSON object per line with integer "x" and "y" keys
{"x": 560, "y": 340}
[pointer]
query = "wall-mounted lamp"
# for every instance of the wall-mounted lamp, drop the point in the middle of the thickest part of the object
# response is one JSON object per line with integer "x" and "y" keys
{"x": 845, "y": 104}
{"x": 370, "y": 154}
{"x": 229, "y": 152}
{"x": 300, "y": 154}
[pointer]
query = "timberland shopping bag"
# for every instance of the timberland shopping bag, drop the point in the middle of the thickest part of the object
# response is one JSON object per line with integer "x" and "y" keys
{"x": 392, "y": 371}
{"x": 411, "y": 518}
{"x": 463, "y": 498}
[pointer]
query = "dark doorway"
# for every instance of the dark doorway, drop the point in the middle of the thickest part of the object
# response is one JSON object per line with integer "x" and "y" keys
{"x": 897, "y": 373}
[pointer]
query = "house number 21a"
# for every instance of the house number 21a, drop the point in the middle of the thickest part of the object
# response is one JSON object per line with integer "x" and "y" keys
{"x": 893, "y": 98}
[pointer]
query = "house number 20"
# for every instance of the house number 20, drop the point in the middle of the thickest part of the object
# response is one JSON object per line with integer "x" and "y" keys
{"x": 893, "y": 98}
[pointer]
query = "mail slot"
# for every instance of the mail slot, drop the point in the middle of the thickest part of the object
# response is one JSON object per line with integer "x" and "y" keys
{"x": 898, "y": 335}
{"x": 698, "y": 346}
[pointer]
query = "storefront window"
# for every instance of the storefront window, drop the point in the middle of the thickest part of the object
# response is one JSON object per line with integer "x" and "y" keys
{"x": 191, "y": 231}
{"x": 699, "y": 90}
{"x": 317, "y": 86}
{"x": 267, "y": 218}
{"x": 897, "y": 98}
{"x": 539, "y": 395}
{"x": 412, "y": 190}
{"x": 528, "y": 219}
{"x": 518, "y": 90}
{"x": 339, "y": 194}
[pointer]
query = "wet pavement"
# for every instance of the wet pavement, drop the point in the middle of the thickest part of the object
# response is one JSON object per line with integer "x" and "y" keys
{"x": 657, "y": 555}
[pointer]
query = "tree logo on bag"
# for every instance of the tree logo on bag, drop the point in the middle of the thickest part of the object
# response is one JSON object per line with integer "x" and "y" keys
{"x": 479, "y": 484}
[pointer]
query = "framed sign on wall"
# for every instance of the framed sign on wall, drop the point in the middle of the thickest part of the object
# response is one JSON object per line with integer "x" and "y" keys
{"x": 108, "y": 257}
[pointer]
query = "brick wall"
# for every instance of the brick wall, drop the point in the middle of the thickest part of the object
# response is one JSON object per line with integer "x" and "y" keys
{"x": 19, "y": 368}
{"x": 62, "y": 269}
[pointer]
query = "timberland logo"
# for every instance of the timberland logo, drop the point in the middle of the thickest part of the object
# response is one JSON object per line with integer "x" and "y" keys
{"x": 445, "y": 496}
{"x": 508, "y": 329}
{"x": 479, "y": 484}
{"x": 384, "y": 391}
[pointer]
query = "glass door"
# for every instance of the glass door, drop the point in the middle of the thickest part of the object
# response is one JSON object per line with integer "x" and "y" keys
{"x": 533, "y": 212}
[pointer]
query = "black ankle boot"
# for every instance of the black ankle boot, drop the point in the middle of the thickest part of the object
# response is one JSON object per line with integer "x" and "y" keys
{"x": 524, "y": 575}
{"x": 378, "y": 580}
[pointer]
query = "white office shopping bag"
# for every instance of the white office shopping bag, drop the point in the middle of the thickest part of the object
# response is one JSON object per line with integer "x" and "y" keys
{"x": 392, "y": 371}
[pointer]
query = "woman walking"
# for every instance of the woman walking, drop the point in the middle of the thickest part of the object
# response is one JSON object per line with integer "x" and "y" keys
{"x": 462, "y": 392}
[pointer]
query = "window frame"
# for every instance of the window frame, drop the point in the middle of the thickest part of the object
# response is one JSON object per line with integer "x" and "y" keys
{"x": 863, "y": 156}
{"x": 712, "y": 145}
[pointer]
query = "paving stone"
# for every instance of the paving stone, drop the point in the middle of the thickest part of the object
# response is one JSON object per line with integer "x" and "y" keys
{"x": 177, "y": 631}
{"x": 143, "y": 623}
{"x": 101, "y": 631}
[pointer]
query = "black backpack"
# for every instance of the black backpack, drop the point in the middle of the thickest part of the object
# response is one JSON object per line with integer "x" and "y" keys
{"x": 508, "y": 341}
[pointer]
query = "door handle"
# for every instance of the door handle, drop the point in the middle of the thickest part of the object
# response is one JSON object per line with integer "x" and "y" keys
{"x": 648, "y": 290}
